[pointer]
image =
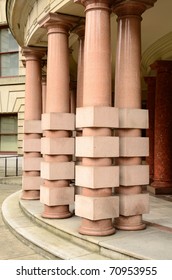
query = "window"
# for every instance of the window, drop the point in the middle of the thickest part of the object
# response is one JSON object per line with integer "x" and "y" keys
{"x": 9, "y": 54}
{"x": 8, "y": 133}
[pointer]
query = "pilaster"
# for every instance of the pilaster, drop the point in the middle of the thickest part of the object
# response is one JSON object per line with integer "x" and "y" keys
{"x": 162, "y": 181}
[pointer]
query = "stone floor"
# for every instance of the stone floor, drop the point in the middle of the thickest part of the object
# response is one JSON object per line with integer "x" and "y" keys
{"x": 11, "y": 248}
{"x": 59, "y": 239}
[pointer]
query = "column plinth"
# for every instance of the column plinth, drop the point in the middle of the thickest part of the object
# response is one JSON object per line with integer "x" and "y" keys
{"x": 162, "y": 181}
{"x": 128, "y": 99}
{"x": 32, "y": 123}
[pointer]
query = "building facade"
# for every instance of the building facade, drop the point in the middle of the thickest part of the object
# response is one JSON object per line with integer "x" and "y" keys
{"x": 94, "y": 70}
{"x": 12, "y": 90}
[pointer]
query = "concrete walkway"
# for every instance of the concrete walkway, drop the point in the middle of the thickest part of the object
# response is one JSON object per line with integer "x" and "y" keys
{"x": 59, "y": 239}
{"x": 11, "y": 248}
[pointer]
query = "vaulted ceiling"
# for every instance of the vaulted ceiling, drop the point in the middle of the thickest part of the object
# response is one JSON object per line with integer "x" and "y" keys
{"x": 23, "y": 17}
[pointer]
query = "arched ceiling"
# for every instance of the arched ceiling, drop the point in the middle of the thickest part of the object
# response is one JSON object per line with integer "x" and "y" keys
{"x": 23, "y": 17}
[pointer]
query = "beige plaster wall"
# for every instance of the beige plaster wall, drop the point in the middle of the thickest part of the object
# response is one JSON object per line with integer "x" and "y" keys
{"x": 2, "y": 12}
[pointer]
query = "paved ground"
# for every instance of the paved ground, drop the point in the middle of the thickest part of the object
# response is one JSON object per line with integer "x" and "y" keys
{"x": 10, "y": 247}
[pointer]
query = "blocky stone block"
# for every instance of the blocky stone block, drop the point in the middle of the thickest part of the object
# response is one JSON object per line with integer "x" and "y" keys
{"x": 97, "y": 146}
{"x": 32, "y": 145}
{"x": 135, "y": 204}
{"x": 32, "y": 164}
{"x": 97, "y": 117}
{"x": 133, "y": 118}
{"x": 57, "y": 146}
{"x": 97, "y": 208}
{"x": 31, "y": 182}
{"x": 133, "y": 146}
{"x": 97, "y": 176}
{"x": 58, "y": 121}
{"x": 56, "y": 196}
{"x": 32, "y": 126}
{"x": 57, "y": 170}
{"x": 133, "y": 175}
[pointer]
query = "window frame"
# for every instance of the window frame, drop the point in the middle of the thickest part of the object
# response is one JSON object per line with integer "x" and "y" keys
{"x": 7, "y": 53}
{"x": 8, "y": 134}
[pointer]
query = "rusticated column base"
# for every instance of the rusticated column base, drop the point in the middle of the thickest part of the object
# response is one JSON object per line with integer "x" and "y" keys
{"x": 97, "y": 228}
{"x": 56, "y": 212}
{"x": 130, "y": 223}
{"x": 30, "y": 195}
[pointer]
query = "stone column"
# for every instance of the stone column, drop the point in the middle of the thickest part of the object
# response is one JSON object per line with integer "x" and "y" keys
{"x": 44, "y": 90}
{"x": 96, "y": 175}
{"x": 151, "y": 89}
{"x": 133, "y": 203}
{"x": 162, "y": 183}
{"x": 32, "y": 124}
{"x": 80, "y": 31}
{"x": 57, "y": 146}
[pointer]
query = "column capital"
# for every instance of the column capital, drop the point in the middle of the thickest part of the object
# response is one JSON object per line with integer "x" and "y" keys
{"x": 80, "y": 29}
{"x": 33, "y": 53}
{"x": 131, "y": 7}
{"x": 61, "y": 21}
{"x": 95, "y": 4}
{"x": 162, "y": 65}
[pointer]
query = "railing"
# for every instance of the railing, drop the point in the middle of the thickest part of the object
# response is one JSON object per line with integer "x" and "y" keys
{"x": 10, "y": 166}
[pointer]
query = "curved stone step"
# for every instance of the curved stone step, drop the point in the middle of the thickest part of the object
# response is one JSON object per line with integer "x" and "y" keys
{"x": 38, "y": 235}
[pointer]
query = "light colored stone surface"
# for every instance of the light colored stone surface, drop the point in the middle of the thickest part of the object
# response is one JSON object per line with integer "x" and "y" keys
{"x": 97, "y": 146}
{"x": 56, "y": 196}
{"x": 97, "y": 176}
{"x": 133, "y": 146}
{"x": 31, "y": 182}
{"x": 32, "y": 126}
{"x": 57, "y": 146}
{"x": 133, "y": 118}
{"x": 32, "y": 145}
{"x": 97, "y": 117}
{"x": 134, "y": 204}
{"x": 96, "y": 208}
{"x": 133, "y": 175}
{"x": 32, "y": 164}
{"x": 58, "y": 121}
{"x": 57, "y": 170}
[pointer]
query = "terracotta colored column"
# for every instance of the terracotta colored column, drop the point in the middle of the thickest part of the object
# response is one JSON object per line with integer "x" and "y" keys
{"x": 133, "y": 203}
{"x": 44, "y": 90}
{"x": 151, "y": 89}
{"x": 80, "y": 31}
{"x": 163, "y": 129}
{"x": 57, "y": 170}
{"x": 32, "y": 124}
{"x": 96, "y": 176}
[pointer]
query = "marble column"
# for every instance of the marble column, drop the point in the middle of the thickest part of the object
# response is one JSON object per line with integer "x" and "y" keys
{"x": 32, "y": 123}
{"x": 57, "y": 146}
{"x": 162, "y": 183}
{"x": 96, "y": 175}
{"x": 151, "y": 89}
{"x": 133, "y": 175}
